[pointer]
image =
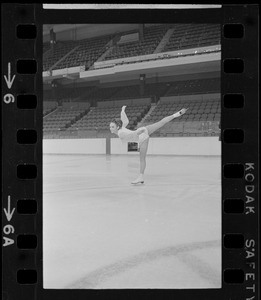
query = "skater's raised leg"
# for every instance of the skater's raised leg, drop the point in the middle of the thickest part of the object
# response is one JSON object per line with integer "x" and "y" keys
{"x": 154, "y": 127}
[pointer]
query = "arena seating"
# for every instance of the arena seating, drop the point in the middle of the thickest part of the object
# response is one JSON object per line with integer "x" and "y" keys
{"x": 203, "y": 114}
{"x": 202, "y": 117}
{"x": 204, "y": 111}
{"x": 189, "y": 128}
{"x": 64, "y": 117}
{"x": 187, "y": 87}
{"x": 152, "y": 37}
{"x": 68, "y": 94}
{"x": 200, "y": 110}
{"x": 128, "y": 92}
{"x": 195, "y": 86}
{"x": 88, "y": 52}
{"x": 48, "y": 95}
{"x": 46, "y": 47}
{"x": 133, "y": 91}
{"x": 59, "y": 50}
{"x": 90, "y": 93}
{"x": 156, "y": 89}
{"x": 100, "y": 117}
{"x": 104, "y": 93}
{"x": 187, "y": 36}
{"x": 48, "y": 107}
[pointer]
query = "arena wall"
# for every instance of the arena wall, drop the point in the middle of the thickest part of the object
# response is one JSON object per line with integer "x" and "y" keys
{"x": 74, "y": 146}
{"x": 157, "y": 146}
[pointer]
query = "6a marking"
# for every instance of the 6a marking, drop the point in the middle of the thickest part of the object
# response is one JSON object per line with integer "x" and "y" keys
{"x": 9, "y": 79}
{"x": 8, "y": 229}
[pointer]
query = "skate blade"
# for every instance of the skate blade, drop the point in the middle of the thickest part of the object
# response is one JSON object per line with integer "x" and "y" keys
{"x": 137, "y": 183}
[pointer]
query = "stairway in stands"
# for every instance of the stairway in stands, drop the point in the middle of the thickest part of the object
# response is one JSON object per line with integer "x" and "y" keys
{"x": 109, "y": 49}
{"x": 164, "y": 41}
{"x": 49, "y": 112}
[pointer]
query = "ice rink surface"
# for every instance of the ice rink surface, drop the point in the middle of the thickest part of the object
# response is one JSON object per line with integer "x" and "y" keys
{"x": 101, "y": 232}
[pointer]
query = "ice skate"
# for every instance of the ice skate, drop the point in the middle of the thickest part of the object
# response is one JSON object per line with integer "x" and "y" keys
{"x": 139, "y": 180}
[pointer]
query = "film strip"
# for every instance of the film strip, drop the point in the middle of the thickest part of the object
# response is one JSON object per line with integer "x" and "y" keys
{"x": 22, "y": 106}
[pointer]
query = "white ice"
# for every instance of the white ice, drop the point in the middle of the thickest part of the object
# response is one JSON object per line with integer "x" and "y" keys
{"x": 99, "y": 231}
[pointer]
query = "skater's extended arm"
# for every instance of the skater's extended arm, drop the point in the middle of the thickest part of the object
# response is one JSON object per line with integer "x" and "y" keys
{"x": 124, "y": 118}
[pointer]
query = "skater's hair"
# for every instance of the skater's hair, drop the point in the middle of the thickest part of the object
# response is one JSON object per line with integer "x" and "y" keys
{"x": 117, "y": 122}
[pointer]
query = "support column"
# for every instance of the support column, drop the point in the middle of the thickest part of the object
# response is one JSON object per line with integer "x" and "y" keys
{"x": 108, "y": 145}
{"x": 52, "y": 38}
{"x": 141, "y": 32}
{"x": 55, "y": 92}
{"x": 142, "y": 84}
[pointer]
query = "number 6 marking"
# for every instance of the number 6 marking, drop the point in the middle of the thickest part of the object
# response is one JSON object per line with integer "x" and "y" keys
{"x": 8, "y": 229}
{"x": 8, "y": 98}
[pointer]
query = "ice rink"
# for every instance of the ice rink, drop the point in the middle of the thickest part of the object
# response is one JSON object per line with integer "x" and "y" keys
{"x": 99, "y": 231}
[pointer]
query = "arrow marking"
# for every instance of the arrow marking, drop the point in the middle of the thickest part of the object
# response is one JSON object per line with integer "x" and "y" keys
{"x": 8, "y": 212}
{"x": 9, "y": 81}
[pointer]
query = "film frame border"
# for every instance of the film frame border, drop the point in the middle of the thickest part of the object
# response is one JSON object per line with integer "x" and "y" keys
{"x": 239, "y": 160}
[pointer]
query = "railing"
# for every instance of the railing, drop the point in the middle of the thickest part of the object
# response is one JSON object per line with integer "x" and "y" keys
{"x": 156, "y": 56}
{"x": 196, "y": 128}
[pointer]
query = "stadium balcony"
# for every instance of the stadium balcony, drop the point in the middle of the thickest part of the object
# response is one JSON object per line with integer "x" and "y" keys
{"x": 59, "y": 51}
{"x": 102, "y": 94}
{"x": 151, "y": 90}
{"x": 128, "y": 92}
{"x": 152, "y": 37}
{"x": 208, "y": 85}
{"x": 125, "y": 92}
{"x": 68, "y": 94}
{"x": 193, "y": 36}
{"x": 88, "y": 52}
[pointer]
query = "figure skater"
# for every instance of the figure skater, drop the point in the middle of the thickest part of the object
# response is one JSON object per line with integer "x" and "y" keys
{"x": 140, "y": 136}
